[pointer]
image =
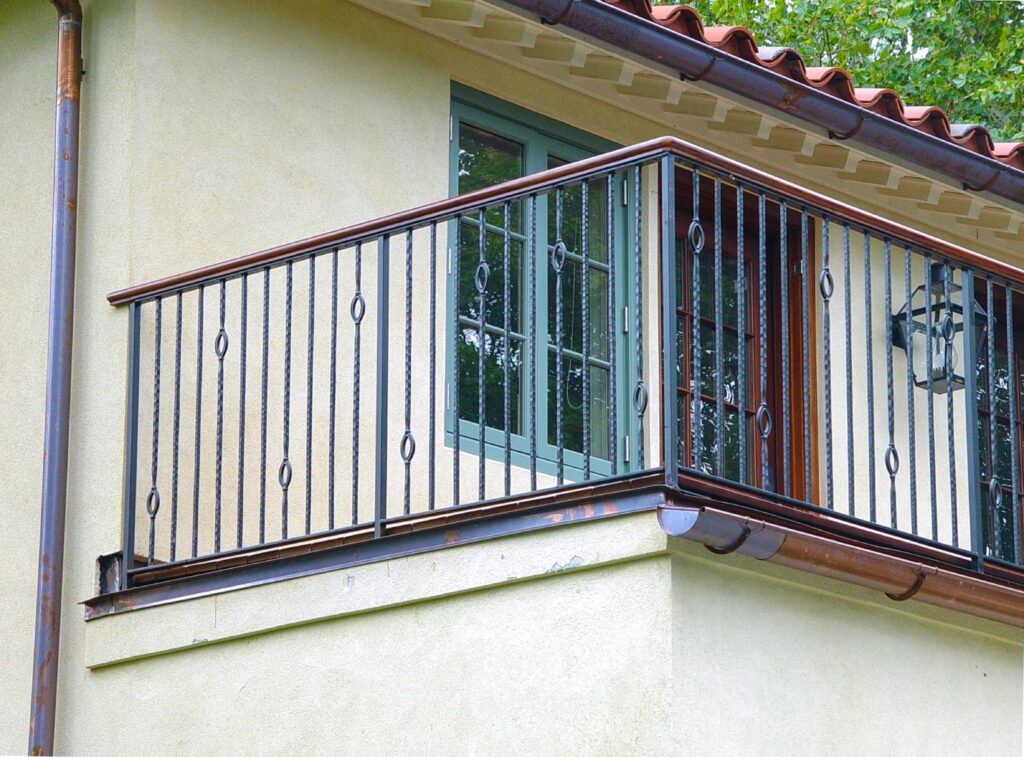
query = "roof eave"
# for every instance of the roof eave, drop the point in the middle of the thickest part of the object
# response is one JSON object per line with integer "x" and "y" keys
{"x": 699, "y": 61}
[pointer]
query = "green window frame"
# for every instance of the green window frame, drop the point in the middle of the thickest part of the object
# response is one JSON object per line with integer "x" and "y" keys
{"x": 542, "y": 140}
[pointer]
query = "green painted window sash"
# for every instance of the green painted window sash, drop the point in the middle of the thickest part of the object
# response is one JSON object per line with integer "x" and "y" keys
{"x": 541, "y": 137}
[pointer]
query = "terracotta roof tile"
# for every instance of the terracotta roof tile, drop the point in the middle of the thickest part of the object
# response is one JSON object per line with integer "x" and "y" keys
{"x": 738, "y": 41}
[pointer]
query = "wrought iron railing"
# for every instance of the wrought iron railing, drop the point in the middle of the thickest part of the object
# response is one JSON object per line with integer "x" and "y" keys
{"x": 524, "y": 345}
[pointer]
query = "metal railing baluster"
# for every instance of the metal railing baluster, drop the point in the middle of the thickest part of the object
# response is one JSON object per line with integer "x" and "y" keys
{"x": 175, "y": 430}
{"x": 196, "y": 468}
{"x": 892, "y": 459}
{"x": 557, "y": 265}
{"x": 741, "y": 335}
{"x": 432, "y": 380}
{"x": 787, "y": 437}
{"x": 719, "y": 336}
{"x": 1011, "y": 362}
{"x": 929, "y": 385}
{"x": 220, "y": 348}
{"x": 847, "y": 298}
{"x": 380, "y": 508}
{"x": 131, "y": 448}
{"x": 764, "y": 415}
{"x": 995, "y": 485}
{"x": 640, "y": 390}
{"x": 585, "y": 315}
{"x": 972, "y": 399}
{"x": 483, "y": 273}
{"x": 357, "y": 310}
{"x": 805, "y": 340}
{"x": 669, "y": 323}
{"x": 456, "y": 256}
{"x": 695, "y": 239}
{"x": 243, "y": 343}
{"x": 332, "y": 391}
{"x": 407, "y": 447}
{"x": 613, "y": 416}
{"x": 531, "y": 383}
{"x": 284, "y": 471}
{"x": 263, "y": 405}
{"x": 826, "y": 288}
{"x": 506, "y": 295}
{"x": 310, "y": 334}
{"x": 870, "y": 380}
{"x": 153, "y": 499}
{"x": 911, "y": 418}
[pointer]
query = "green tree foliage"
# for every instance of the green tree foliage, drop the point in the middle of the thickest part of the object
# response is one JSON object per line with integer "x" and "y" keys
{"x": 965, "y": 56}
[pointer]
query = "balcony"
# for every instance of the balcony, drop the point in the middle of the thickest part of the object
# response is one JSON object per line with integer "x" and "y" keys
{"x": 654, "y": 318}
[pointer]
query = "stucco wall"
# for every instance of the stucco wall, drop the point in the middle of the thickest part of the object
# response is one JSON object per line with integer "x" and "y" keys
{"x": 214, "y": 129}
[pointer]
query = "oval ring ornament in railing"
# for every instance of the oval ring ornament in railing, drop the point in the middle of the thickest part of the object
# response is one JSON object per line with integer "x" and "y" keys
{"x": 892, "y": 460}
{"x": 558, "y": 253}
{"x": 220, "y": 344}
{"x": 995, "y": 493}
{"x": 357, "y": 308}
{"x": 483, "y": 273}
{"x": 695, "y": 236}
{"x": 640, "y": 398}
{"x": 407, "y": 447}
{"x": 826, "y": 284}
{"x": 763, "y": 418}
{"x": 153, "y": 502}
{"x": 284, "y": 474}
{"x": 947, "y": 329}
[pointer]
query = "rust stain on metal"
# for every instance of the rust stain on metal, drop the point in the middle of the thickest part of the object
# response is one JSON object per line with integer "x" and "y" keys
{"x": 451, "y": 536}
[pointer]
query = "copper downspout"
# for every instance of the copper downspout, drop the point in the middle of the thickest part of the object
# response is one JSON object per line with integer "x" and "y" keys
{"x": 899, "y": 578}
{"x": 58, "y": 378}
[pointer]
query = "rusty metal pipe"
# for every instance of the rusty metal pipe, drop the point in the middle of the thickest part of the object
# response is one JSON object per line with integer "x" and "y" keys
{"x": 696, "y": 60}
{"x": 58, "y": 379}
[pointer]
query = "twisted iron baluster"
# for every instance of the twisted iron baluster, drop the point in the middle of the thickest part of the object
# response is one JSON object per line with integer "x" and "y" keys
{"x": 198, "y": 426}
{"x": 263, "y": 404}
{"x": 407, "y": 448}
{"x": 153, "y": 500}
{"x": 284, "y": 472}
{"x": 826, "y": 287}
{"x": 357, "y": 310}
{"x": 911, "y": 421}
{"x": 310, "y": 323}
{"x": 243, "y": 357}
{"x": 176, "y": 430}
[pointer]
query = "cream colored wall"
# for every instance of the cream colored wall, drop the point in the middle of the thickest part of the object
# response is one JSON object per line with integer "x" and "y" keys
{"x": 214, "y": 129}
{"x": 770, "y": 661}
{"x": 26, "y": 145}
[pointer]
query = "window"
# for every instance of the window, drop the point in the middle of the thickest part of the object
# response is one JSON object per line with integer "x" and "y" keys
{"x": 494, "y": 142}
{"x": 998, "y": 522}
{"x": 736, "y": 420}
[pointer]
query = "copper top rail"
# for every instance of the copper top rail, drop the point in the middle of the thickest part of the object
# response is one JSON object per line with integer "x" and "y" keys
{"x": 539, "y": 182}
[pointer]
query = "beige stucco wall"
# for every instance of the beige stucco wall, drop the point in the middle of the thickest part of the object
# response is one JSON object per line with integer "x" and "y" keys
{"x": 214, "y": 129}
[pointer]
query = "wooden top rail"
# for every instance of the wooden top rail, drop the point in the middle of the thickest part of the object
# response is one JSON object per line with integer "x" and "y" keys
{"x": 539, "y": 182}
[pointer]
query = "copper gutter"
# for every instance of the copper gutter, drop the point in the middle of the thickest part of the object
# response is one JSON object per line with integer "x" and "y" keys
{"x": 696, "y": 60}
{"x": 539, "y": 182}
{"x": 58, "y": 378}
{"x": 899, "y": 578}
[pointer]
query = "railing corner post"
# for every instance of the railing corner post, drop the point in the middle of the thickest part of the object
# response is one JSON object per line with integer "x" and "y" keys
{"x": 131, "y": 446}
{"x": 380, "y": 512}
{"x": 971, "y": 346}
{"x": 670, "y": 343}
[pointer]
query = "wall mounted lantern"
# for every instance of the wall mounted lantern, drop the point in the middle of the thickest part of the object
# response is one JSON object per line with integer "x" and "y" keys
{"x": 936, "y": 326}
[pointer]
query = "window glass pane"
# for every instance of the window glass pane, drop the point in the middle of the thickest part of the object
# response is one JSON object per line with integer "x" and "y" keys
{"x": 572, "y": 308}
{"x": 494, "y": 292}
{"x": 572, "y": 405}
{"x": 486, "y": 159}
{"x": 494, "y": 378}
